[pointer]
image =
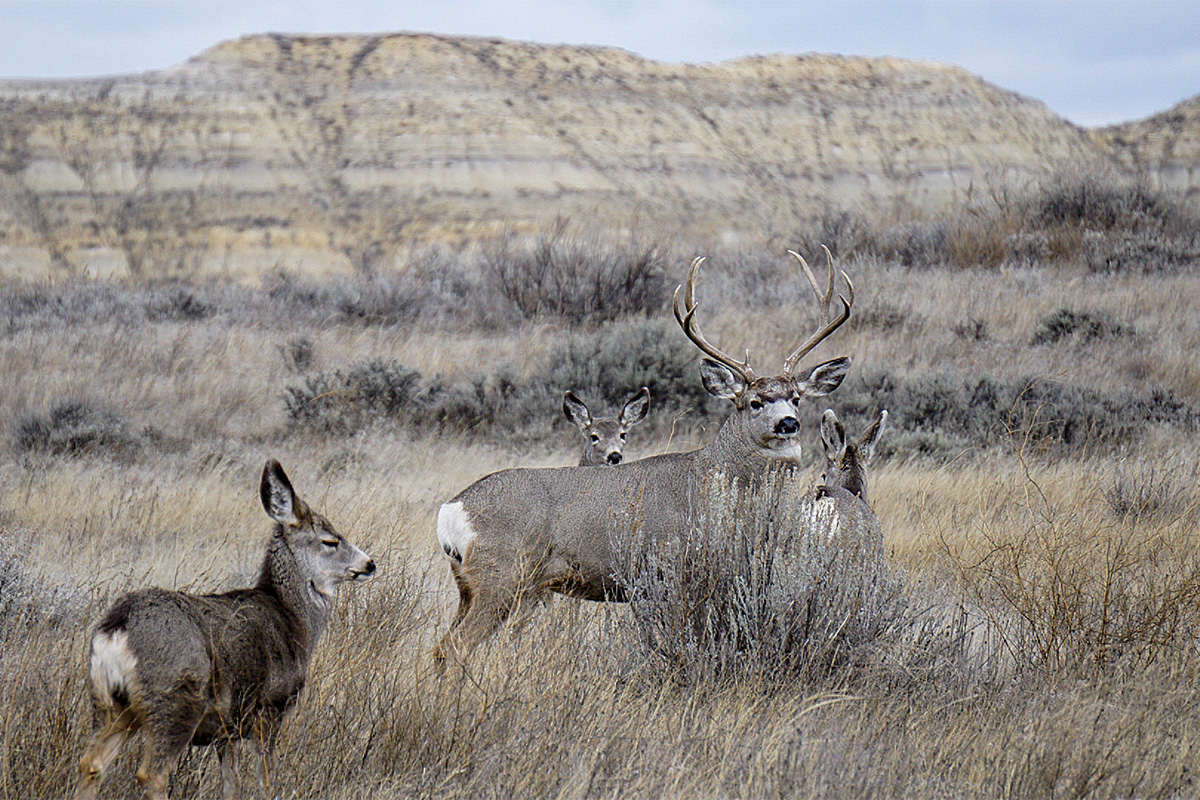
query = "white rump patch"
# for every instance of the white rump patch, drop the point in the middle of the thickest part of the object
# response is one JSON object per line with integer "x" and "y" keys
{"x": 823, "y": 515}
{"x": 454, "y": 530}
{"x": 113, "y": 666}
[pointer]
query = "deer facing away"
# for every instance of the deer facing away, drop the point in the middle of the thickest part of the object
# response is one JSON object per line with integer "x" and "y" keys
{"x": 846, "y": 461}
{"x": 839, "y": 510}
{"x": 604, "y": 437}
{"x": 515, "y": 535}
{"x": 188, "y": 669}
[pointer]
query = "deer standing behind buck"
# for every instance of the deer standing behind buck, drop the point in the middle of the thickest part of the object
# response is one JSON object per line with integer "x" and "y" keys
{"x": 839, "y": 506}
{"x": 516, "y": 535}
{"x": 846, "y": 461}
{"x": 604, "y": 437}
{"x": 190, "y": 669}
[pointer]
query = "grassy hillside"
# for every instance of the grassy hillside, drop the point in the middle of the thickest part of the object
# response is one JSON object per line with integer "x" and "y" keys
{"x": 1166, "y": 144}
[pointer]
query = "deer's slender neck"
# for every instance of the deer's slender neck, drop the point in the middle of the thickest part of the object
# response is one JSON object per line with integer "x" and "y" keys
{"x": 855, "y": 480}
{"x": 283, "y": 576}
{"x": 734, "y": 453}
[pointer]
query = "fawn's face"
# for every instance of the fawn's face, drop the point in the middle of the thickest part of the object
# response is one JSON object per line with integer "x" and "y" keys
{"x": 605, "y": 436}
{"x": 326, "y": 557}
{"x": 605, "y": 441}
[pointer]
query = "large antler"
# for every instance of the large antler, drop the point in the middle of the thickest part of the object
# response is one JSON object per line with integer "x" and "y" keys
{"x": 686, "y": 316}
{"x": 823, "y": 299}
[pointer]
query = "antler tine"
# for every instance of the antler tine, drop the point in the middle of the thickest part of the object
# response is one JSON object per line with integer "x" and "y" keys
{"x": 689, "y": 297}
{"x": 824, "y": 299}
{"x": 849, "y": 298}
{"x": 685, "y": 315}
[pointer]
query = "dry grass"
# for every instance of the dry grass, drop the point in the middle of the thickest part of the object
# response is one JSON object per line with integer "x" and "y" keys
{"x": 1077, "y": 576}
{"x": 564, "y": 708}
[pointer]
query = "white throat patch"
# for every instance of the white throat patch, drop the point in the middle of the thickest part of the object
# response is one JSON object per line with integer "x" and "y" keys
{"x": 786, "y": 449}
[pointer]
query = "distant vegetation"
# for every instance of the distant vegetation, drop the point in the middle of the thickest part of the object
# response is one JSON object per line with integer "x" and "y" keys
{"x": 609, "y": 299}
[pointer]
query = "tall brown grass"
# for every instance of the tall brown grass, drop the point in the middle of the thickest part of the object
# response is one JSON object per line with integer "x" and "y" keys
{"x": 567, "y": 706}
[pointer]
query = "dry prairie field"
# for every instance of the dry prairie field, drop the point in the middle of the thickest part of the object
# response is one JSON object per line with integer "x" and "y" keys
{"x": 1037, "y": 487}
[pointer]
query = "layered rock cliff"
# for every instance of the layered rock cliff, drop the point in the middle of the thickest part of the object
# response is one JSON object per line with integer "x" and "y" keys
{"x": 344, "y": 150}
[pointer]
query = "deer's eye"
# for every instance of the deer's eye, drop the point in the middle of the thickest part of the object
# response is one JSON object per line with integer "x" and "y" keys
{"x": 330, "y": 542}
{"x": 622, "y": 437}
{"x": 756, "y": 404}
{"x": 796, "y": 401}
{"x": 595, "y": 437}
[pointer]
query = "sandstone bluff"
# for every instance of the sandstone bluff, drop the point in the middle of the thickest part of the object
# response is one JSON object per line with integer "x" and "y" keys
{"x": 297, "y": 150}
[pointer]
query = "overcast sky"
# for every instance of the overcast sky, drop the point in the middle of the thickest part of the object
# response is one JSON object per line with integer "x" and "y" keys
{"x": 1094, "y": 62}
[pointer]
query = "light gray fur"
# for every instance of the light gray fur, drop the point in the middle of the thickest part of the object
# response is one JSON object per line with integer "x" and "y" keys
{"x": 534, "y": 531}
{"x": 188, "y": 669}
{"x": 604, "y": 437}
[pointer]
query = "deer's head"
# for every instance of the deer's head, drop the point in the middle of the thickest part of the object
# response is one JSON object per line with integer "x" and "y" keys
{"x": 324, "y": 556}
{"x": 846, "y": 461}
{"x": 766, "y": 408}
{"x": 604, "y": 437}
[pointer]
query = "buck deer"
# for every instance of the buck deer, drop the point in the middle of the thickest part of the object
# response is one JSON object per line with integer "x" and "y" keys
{"x": 213, "y": 669}
{"x": 604, "y": 437}
{"x": 518, "y": 534}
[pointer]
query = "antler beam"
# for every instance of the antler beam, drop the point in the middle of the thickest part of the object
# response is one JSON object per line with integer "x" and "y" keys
{"x": 685, "y": 315}
{"x": 824, "y": 298}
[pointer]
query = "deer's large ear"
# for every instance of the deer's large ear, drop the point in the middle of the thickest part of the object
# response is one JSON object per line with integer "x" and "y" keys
{"x": 824, "y": 378}
{"x": 833, "y": 436}
{"x": 721, "y": 381}
{"x": 636, "y": 408}
{"x": 870, "y": 437}
{"x": 576, "y": 411}
{"x": 278, "y": 498}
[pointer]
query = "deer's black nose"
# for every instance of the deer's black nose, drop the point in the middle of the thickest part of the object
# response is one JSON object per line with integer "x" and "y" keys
{"x": 370, "y": 568}
{"x": 787, "y": 426}
{"x": 614, "y": 458}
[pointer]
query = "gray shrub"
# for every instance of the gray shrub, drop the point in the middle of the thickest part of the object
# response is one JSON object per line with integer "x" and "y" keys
{"x": 765, "y": 583}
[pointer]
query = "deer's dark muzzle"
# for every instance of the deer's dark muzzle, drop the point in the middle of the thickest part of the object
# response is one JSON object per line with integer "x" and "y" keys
{"x": 614, "y": 458}
{"x": 788, "y": 426}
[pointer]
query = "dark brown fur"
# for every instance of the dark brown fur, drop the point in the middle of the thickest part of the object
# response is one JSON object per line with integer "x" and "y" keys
{"x": 846, "y": 461}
